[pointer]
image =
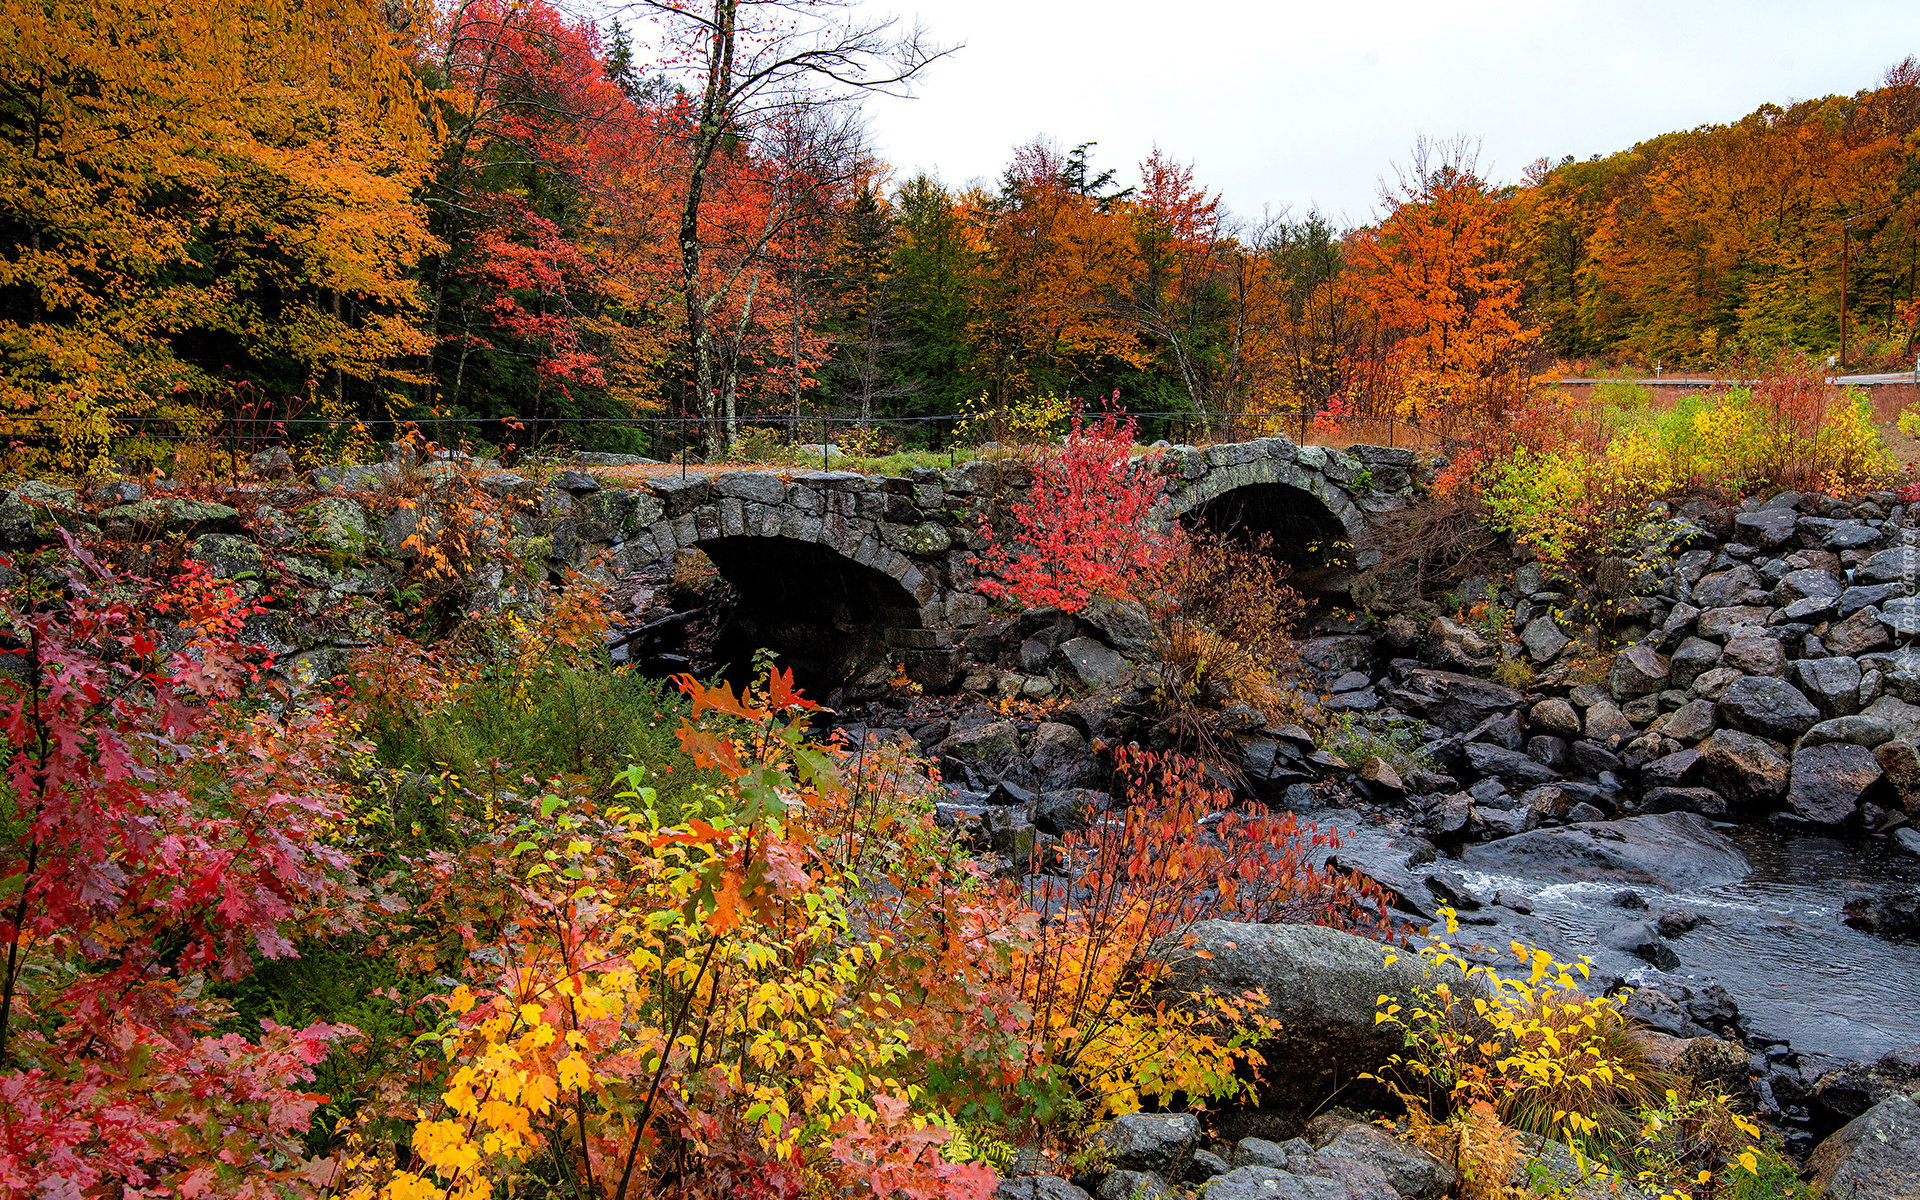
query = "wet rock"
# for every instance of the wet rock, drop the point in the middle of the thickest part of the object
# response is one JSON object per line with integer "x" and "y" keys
{"x": 1726, "y": 588}
{"x": 1721, "y": 623}
{"x": 1092, "y": 664}
{"x": 1506, "y": 765}
{"x": 1454, "y": 702}
{"x": 1038, "y": 1187}
{"x": 1320, "y": 984}
{"x": 1060, "y": 756}
{"x": 1755, "y": 652}
{"x": 1743, "y": 767}
{"x": 1874, "y": 1157}
{"x": 1158, "y": 1142}
{"x": 1606, "y": 724}
{"x": 1704, "y": 801}
{"x": 1556, "y": 716}
{"x": 981, "y": 754}
{"x": 1382, "y": 782}
{"x": 1767, "y": 707}
{"x": 1122, "y": 624}
{"x": 1858, "y": 634}
{"x": 1671, "y": 851}
{"x": 1409, "y": 1170}
{"x": 1642, "y": 940}
{"x": 1827, "y": 781}
{"x": 1543, "y": 639}
{"x": 1895, "y": 917}
{"x": 1896, "y": 564}
{"x": 1637, "y": 671}
{"x": 1693, "y": 658}
{"x": 1688, "y": 723}
{"x": 1271, "y": 1183}
{"x": 1901, "y": 765}
{"x": 1456, "y": 647}
{"x": 1676, "y": 922}
{"x": 1133, "y": 1185}
{"x": 1062, "y": 812}
{"x": 1767, "y": 527}
{"x": 1833, "y": 684}
{"x": 1807, "y": 584}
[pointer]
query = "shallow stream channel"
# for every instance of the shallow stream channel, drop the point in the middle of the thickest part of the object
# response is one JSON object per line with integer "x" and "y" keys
{"x": 1774, "y": 938}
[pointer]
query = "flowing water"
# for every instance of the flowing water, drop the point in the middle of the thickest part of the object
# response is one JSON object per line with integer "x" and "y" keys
{"x": 1774, "y": 940}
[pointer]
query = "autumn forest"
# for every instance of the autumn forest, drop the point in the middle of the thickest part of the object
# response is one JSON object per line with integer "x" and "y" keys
{"x": 504, "y": 210}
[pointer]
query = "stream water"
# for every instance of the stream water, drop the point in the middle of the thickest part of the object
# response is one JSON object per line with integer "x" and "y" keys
{"x": 1775, "y": 940}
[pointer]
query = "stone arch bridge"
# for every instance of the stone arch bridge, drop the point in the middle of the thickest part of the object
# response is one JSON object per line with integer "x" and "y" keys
{"x": 839, "y": 570}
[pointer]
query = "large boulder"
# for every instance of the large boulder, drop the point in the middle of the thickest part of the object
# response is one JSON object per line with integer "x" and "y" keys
{"x": 1150, "y": 1141}
{"x": 1122, "y": 624}
{"x": 981, "y": 754}
{"x": 1411, "y": 1171}
{"x": 1743, "y": 767}
{"x": 1674, "y": 851}
{"x": 1874, "y": 1157}
{"x": 1833, "y": 684}
{"x": 1767, "y": 707}
{"x": 1827, "y": 781}
{"x": 1638, "y": 670}
{"x": 1271, "y": 1183}
{"x": 1454, "y": 702}
{"x": 1755, "y": 652}
{"x": 1321, "y": 985}
{"x": 1092, "y": 664}
{"x": 1037, "y": 1187}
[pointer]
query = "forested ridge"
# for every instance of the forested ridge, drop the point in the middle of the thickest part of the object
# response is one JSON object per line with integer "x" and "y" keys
{"x": 503, "y": 210}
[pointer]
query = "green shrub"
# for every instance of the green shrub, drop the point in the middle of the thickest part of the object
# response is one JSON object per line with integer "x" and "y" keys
{"x": 1394, "y": 741}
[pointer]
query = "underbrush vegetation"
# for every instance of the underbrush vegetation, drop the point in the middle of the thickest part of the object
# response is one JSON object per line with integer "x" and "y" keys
{"x": 1573, "y": 481}
{"x": 1493, "y": 1054}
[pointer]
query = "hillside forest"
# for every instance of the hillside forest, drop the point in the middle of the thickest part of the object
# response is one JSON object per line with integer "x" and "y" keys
{"x": 502, "y": 212}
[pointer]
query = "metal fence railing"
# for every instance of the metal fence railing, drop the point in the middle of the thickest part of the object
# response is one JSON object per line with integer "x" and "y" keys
{"x": 143, "y": 440}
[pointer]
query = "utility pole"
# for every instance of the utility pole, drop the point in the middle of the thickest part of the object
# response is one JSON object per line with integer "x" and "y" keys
{"x": 1846, "y": 235}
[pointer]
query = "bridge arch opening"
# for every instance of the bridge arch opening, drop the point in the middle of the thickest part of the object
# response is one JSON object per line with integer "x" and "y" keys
{"x": 823, "y": 614}
{"x": 1299, "y": 527}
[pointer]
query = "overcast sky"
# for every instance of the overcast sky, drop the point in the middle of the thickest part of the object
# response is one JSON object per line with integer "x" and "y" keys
{"x": 1278, "y": 103}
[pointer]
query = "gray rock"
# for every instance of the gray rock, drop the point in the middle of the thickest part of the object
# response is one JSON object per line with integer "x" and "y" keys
{"x": 1556, "y": 716}
{"x": 1692, "y": 659}
{"x": 1321, "y": 986}
{"x": 1688, "y": 723}
{"x": 1810, "y": 583}
{"x": 1705, "y": 801}
{"x": 1727, "y": 588}
{"x": 1908, "y": 839}
{"x": 1859, "y": 729}
{"x": 1157, "y": 1142}
{"x": 1092, "y": 664}
{"x": 1712, "y": 683}
{"x": 1259, "y": 1152}
{"x": 1543, "y": 639}
{"x": 1038, "y": 1187}
{"x": 1453, "y": 646}
{"x": 1753, "y": 651}
{"x": 1269, "y": 1183}
{"x": 1549, "y": 1168}
{"x": 1362, "y": 1180}
{"x": 1768, "y": 527}
{"x": 1605, "y": 722}
{"x": 1719, "y": 623}
{"x": 1060, "y": 757}
{"x": 983, "y": 753}
{"x": 1896, "y": 564}
{"x": 1637, "y": 670}
{"x": 1743, "y": 767}
{"x": 1768, "y": 707}
{"x": 1507, "y": 765}
{"x": 1833, "y": 684}
{"x": 1122, "y": 624}
{"x": 1671, "y": 851}
{"x": 1133, "y": 1185}
{"x": 1858, "y": 634}
{"x": 1902, "y": 615}
{"x": 1411, "y": 1171}
{"x": 1827, "y": 781}
{"x": 1873, "y": 1157}
{"x": 1901, "y": 717}
{"x": 171, "y": 514}
{"x": 1642, "y": 940}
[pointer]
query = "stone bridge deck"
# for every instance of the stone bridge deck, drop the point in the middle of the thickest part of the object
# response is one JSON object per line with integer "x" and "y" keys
{"x": 892, "y": 554}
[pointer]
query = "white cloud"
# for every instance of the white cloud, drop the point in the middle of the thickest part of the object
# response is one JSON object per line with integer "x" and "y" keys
{"x": 1297, "y": 104}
